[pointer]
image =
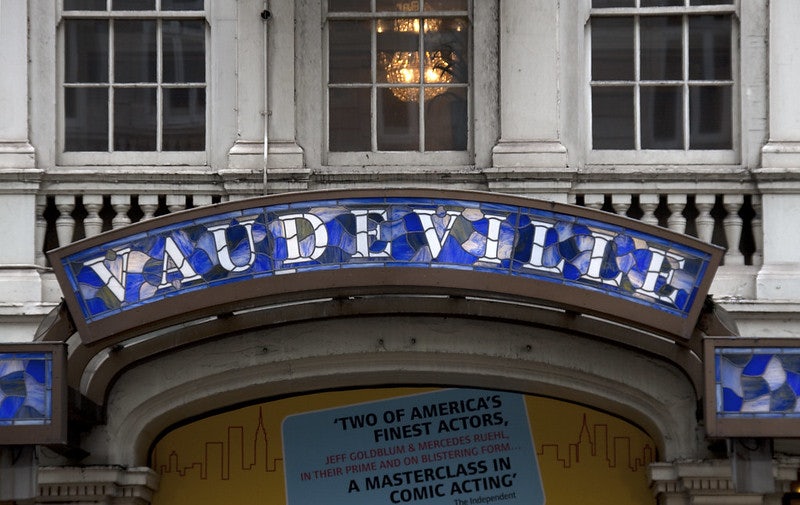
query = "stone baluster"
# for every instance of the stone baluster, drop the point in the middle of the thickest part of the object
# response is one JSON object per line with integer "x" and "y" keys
{"x": 676, "y": 222}
{"x": 93, "y": 223}
{"x": 201, "y": 200}
{"x": 40, "y": 230}
{"x": 149, "y": 205}
{"x": 649, "y": 204}
{"x": 176, "y": 203}
{"x": 65, "y": 224}
{"x": 594, "y": 201}
{"x": 757, "y": 226}
{"x": 121, "y": 205}
{"x": 704, "y": 222}
{"x": 621, "y": 203}
{"x": 733, "y": 228}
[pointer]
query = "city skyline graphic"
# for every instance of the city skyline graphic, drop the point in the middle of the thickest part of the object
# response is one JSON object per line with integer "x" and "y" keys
{"x": 240, "y": 449}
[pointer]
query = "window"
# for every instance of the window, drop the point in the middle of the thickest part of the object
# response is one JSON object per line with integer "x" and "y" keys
{"x": 382, "y": 96}
{"x": 134, "y": 77}
{"x": 662, "y": 75}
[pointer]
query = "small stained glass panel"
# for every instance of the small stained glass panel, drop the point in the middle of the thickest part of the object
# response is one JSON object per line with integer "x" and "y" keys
{"x": 757, "y": 382}
{"x": 26, "y": 388}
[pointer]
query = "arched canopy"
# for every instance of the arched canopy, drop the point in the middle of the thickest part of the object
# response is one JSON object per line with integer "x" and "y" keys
{"x": 147, "y": 294}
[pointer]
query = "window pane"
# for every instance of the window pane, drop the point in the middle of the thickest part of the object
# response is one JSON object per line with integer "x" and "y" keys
{"x": 398, "y": 122}
{"x": 446, "y": 50}
{"x": 446, "y": 121}
{"x": 184, "y": 51}
{"x": 86, "y": 119}
{"x": 612, "y": 118}
{"x": 84, "y": 5}
{"x": 662, "y": 3}
{"x": 133, "y": 5}
{"x": 662, "y": 117}
{"x": 349, "y": 120}
{"x": 85, "y": 50}
{"x": 349, "y": 51}
{"x": 348, "y": 5}
{"x": 181, "y": 5}
{"x": 711, "y": 2}
{"x": 599, "y": 4}
{"x": 398, "y": 51}
{"x": 710, "y": 47}
{"x": 612, "y": 49}
{"x": 134, "y": 51}
{"x": 184, "y": 119}
{"x": 397, "y": 6}
{"x": 711, "y": 123}
{"x": 445, "y": 5}
{"x": 661, "y": 42}
{"x": 134, "y": 119}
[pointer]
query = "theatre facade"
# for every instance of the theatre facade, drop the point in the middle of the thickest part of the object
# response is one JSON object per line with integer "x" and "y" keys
{"x": 371, "y": 251}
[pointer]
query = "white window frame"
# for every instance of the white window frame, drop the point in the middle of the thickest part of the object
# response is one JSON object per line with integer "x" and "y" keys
{"x": 638, "y": 156}
{"x": 132, "y": 158}
{"x": 398, "y": 158}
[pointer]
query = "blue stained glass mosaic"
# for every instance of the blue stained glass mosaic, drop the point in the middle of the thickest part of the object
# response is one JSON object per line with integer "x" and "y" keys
{"x": 393, "y": 232}
{"x": 757, "y": 382}
{"x": 26, "y": 384}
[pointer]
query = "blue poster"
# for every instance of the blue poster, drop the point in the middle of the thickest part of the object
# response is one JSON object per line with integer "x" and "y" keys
{"x": 454, "y": 447}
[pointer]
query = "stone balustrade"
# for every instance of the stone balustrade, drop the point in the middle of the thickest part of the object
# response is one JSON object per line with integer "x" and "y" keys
{"x": 730, "y": 220}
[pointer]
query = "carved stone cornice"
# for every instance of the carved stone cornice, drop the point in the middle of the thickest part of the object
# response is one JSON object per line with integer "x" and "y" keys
{"x": 99, "y": 484}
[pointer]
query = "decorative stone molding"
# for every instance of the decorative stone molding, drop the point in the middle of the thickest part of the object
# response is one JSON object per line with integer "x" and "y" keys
{"x": 100, "y": 484}
{"x": 708, "y": 482}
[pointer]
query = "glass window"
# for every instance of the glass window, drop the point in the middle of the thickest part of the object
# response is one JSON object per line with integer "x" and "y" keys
{"x": 661, "y": 74}
{"x": 397, "y": 79}
{"x": 134, "y": 75}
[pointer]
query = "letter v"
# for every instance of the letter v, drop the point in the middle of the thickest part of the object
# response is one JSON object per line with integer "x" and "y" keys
{"x": 434, "y": 242}
{"x": 115, "y": 285}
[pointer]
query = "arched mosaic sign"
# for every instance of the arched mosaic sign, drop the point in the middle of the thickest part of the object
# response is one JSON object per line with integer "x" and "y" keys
{"x": 366, "y": 242}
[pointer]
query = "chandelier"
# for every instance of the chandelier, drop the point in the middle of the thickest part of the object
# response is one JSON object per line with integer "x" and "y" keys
{"x": 404, "y": 67}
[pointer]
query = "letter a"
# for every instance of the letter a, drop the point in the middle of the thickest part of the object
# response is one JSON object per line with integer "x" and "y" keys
{"x": 174, "y": 260}
{"x": 353, "y": 487}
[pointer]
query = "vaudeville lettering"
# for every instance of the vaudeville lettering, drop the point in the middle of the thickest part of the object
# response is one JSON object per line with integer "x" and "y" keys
{"x": 271, "y": 241}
